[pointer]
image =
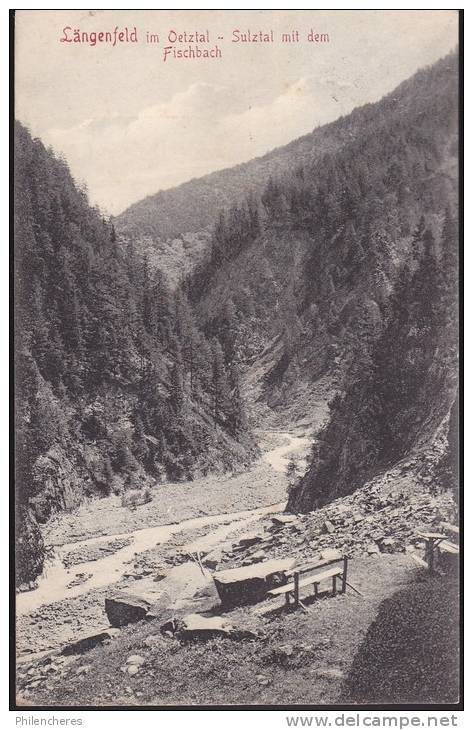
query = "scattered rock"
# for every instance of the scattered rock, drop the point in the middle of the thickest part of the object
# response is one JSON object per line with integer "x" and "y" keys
{"x": 135, "y": 659}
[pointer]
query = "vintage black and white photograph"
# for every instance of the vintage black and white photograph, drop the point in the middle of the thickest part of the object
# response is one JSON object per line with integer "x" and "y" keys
{"x": 236, "y": 358}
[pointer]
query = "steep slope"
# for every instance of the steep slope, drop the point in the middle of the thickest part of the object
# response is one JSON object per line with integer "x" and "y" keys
{"x": 116, "y": 386}
{"x": 195, "y": 205}
{"x": 174, "y": 226}
{"x": 398, "y": 401}
{"x": 304, "y": 277}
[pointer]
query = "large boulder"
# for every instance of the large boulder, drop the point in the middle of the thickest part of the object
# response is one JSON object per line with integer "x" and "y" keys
{"x": 125, "y": 609}
{"x": 250, "y": 584}
{"x": 196, "y": 627}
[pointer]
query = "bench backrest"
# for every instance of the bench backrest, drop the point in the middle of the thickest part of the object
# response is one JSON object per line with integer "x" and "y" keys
{"x": 313, "y": 565}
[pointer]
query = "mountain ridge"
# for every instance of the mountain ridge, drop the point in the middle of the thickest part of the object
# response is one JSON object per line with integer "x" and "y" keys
{"x": 182, "y": 217}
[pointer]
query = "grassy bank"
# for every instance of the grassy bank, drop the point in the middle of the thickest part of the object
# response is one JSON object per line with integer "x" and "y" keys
{"x": 301, "y": 658}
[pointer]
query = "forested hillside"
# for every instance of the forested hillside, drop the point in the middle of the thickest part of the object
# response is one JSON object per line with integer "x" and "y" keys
{"x": 116, "y": 385}
{"x": 307, "y": 274}
{"x": 398, "y": 399}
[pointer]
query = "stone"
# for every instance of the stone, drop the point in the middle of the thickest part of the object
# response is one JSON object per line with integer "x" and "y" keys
{"x": 328, "y": 527}
{"x": 387, "y": 545}
{"x": 126, "y": 609}
{"x": 258, "y": 556}
{"x": 135, "y": 659}
{"x": 330, "y": 554}
{"x": 283, "y": 520}
{"x": 85, "y": 643}
{"x": 246, "y": 542}
{"x": 196, "y": 626}
{"x": 133, "y": 669}
{"x": 329, "y": 673}
{"x": 212, "y": 560}
{"x": 159, "y": 577}
{"x": 264, "y": 681}
{"x": 170, "y": 627}
{"x": 246, "y": 585}
{"x": 372, "y": 549}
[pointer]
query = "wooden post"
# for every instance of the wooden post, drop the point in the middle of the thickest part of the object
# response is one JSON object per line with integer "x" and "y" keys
{"x": 345, "y": 574}
{"x": 296, "y": 589}
{"x": 334, "y": 585}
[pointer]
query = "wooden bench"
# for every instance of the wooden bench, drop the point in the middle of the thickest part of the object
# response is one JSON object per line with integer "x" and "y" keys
{"x": 303, "y": 576}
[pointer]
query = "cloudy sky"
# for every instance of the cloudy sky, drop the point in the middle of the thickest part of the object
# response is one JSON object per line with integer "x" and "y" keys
{"x": 130, "y": 125}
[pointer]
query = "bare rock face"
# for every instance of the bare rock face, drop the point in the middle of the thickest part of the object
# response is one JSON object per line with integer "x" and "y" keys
{"x": 126, "y": 609}
{"x": 240, "y": 586}
{"x": 86, "y": 643}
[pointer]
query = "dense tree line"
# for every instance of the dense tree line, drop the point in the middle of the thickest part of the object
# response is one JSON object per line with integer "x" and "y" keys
{"x": 116, "y": 384}
{"x": 333, "y": 229}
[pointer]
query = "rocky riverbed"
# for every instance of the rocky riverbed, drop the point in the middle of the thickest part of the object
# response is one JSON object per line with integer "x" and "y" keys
{"x": 69, "y": 599}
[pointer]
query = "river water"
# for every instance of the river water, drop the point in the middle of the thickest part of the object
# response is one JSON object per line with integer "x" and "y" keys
{"x": 52, "y": 586}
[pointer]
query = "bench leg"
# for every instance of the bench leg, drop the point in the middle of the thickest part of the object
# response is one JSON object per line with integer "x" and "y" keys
{"x": 345, "y": 573}
{"x": 316, "y": 590}
{"x": 334, "y": 585}
{"x": 296, "y": 589}
{"x": 288, "y": 600}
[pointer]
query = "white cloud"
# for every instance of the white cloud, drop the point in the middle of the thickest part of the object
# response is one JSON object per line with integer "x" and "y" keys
{"x": 197, "y": 131}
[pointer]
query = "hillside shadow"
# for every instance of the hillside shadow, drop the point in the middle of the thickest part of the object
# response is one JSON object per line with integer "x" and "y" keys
{"x": 410, "y": 653}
